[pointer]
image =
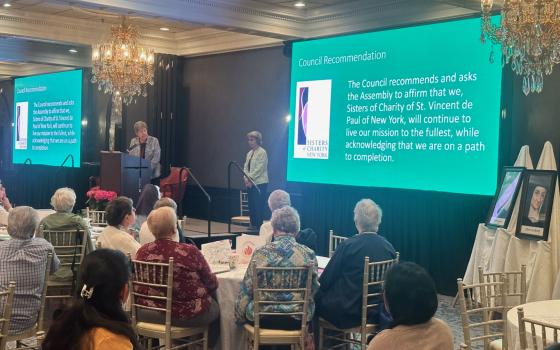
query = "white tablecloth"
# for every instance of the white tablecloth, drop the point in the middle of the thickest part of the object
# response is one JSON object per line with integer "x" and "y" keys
{"x": 232, "y": 336}
{"x": 547, "y": 311}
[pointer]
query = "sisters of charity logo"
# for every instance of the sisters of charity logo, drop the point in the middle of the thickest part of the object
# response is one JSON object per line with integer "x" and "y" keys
{"x": 303, "y": 97}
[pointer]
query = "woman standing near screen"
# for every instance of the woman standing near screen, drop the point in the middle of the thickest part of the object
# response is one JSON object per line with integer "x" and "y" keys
{"x": 256, "y": 166}
{"x": 147, "y": 147}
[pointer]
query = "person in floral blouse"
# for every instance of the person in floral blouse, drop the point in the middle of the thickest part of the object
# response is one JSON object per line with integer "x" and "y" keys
{"x": 193, "y": 281}
{"x": 283, "y": 252}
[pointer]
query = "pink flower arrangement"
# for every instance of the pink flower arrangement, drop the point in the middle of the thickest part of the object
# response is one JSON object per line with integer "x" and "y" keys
{"x": 98, "y": 198}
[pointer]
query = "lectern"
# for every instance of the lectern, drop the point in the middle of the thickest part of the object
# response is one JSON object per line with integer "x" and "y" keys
{"x": 124, "y": 174}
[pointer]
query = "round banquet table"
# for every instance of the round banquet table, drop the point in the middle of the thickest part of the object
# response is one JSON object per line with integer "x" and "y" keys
{"x": 232, "y": 336}
{"x": 547, "y": 311}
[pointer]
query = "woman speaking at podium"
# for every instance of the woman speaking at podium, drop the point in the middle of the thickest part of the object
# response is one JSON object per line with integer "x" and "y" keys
{"x": 147, "y": 147}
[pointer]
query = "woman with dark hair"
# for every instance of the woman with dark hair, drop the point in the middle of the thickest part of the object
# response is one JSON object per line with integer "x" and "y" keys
{"x": 411, "y": 298}
{"x": 148, "y": 198}
{"x": 96, "y": 320}
{"x": 120, "y": 215}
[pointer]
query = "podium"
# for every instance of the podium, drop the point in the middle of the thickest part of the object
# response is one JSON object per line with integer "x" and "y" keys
{"x": 124, "y": 174}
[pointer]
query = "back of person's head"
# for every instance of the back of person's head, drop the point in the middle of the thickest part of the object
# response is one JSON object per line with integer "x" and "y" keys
{"x": 148, "y": 198}
{"x": 104, "y": 273}
{"x": 117, "y": 210}
{"x": 279, "y": 199}
{"x": 367, "y": 216}
{"x": 166, "y": 202}
{"x": 22, "y": 222}
{"x": 285, "y": 221}
{"x": 162, "y": 222}
{"x": 63, "y": 200}
{"x": 410, "y": 294}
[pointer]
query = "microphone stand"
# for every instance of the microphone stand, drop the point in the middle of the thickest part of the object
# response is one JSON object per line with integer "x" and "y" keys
{"x": 229, "y": 187}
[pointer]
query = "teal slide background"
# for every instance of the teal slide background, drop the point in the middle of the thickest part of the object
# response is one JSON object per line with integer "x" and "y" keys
{"x": 441, "y": 48}
{"x": 63, "y": 86}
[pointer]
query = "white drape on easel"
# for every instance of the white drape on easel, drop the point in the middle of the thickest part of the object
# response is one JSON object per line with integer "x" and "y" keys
{"x": 490, "y": 245}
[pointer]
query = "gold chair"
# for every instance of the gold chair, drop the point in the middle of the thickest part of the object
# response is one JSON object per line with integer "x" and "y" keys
{"x": 477, "y": 303}
{"x": 374, "y": 276}
{"x": 243, "y": 218}
{"x": 38, "y": 326}
{"x": 96, "y": 217}
{"x": 516, "y": 288}
{"x": 297, "y": 281}
{"x": 157, "y": 280}
{"x": 6, "y": 299}
{"x": 70, "y": 247}
{"x": 548, "y": 332}
{"x": 334, "y": 241}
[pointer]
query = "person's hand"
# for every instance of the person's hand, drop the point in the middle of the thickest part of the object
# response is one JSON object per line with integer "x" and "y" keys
{"x": 248, "y": 183}
{"x": 6, "y": 203}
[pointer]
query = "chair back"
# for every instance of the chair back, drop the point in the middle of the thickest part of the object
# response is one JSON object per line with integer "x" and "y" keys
{"x": 69, "y": 247}
{"x": 372, "y": 292}
{"x": 6, "y": 303}
{"x": 96, "y": 217}
{"x": 244, "y": 203}
{"x": 41, "y": 316}
{"x": 515, "y": 289}
{"x": 174, "y": 185}
{"x": 293, "y": 292}
{"x": 477, "y": 303}
{"x": 548, "y": 333}
{"x": 154, "y": 282}
{"x": 334, "y": 241}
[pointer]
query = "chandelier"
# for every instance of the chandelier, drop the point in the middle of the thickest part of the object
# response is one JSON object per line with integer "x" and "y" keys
{"x": 529, "y": 34}
{"x": 120, "y": 67}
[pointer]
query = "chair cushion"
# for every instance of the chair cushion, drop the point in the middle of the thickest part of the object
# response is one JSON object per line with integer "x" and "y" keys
{"x": 496, "y": 344}
{"x": 175, "y": 331}
{"x": 273, "y": 333}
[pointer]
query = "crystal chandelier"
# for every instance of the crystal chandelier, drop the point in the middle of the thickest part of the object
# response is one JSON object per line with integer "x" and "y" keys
{"x": 120, "y": 67}
{"x": 529, "y": 33}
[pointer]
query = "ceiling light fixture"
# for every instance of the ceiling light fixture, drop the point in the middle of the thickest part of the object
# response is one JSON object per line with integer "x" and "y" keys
{"x": 7, "y": 4}
{"x": 73, "y": 51}
{"x": 299, "y": 4}
{"x": 164, "y": 29}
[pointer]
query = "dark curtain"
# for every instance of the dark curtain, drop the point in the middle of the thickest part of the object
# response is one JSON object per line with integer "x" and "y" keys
{"x": 164, "y": 108}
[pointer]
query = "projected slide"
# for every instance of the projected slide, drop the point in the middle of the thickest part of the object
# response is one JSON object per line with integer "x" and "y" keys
{"x": 415, "y": 108}
{"x": 47, "y": 118}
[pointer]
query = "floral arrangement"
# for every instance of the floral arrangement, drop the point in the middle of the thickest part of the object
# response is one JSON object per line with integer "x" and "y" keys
{"x": 98, "y": 198}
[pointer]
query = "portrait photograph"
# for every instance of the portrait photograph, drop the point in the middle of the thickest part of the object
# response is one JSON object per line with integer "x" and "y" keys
{"x": 504, "y": 199}
{"x": 536, "y": 204}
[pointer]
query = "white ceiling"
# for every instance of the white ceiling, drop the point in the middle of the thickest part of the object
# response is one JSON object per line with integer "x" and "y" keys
{"x": 201, "y": 27}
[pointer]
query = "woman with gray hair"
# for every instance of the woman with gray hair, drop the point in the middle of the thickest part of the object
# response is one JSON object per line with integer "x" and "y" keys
{"x": 277, "y": 199}
{"x": 339, "y": 300}
{"x": 147, "y": 147}
{"x": 63, "y": 201}
{"x": 256, "y": 167}
{"x": 23, "y": 259}
{"x": 283, "y": 252}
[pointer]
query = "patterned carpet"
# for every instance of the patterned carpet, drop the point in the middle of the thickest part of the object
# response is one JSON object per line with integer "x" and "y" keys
{"x": 452, "y": 317}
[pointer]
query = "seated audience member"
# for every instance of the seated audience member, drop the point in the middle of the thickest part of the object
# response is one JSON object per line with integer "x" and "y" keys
{"x": 95, "y": 320}
{"x": 339, "y": 300}
{"x": 146, "y": 236}
{"x": 411, "y": 299}
{"x": 63, "y": 202}
{"x": 283, "y": 252}
{"x": 193, "y": 281}
{"x": 148, "y": 198}
{"x": 277, "y": 199}
{"x": 23, "y": 259}
{"x": 120, "y": 215}
{"x": 5, "y": 206}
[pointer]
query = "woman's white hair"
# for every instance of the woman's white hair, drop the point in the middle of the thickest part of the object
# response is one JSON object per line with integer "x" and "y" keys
{"x": 367, "y": 216}
{"x": 63, "y": 200}
{"x": 139, "y": 125}
{"x": 279, "y": 199}
{"x": 285, "y": 220}
{"x": 22, "y": 222}
{"x": 257, "y": 135}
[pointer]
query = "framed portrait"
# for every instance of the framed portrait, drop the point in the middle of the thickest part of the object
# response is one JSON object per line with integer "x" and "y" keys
{"x": 536, "y": 204}
{"x": 504, "y": 199}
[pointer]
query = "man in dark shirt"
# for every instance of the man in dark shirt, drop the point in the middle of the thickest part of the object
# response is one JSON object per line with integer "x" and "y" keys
{"x": 339, "y": 300}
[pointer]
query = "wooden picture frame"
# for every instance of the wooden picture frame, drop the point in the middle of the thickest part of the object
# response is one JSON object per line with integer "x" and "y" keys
{"x": 501, "y": 209}
{"x": 535, "y": 209}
